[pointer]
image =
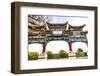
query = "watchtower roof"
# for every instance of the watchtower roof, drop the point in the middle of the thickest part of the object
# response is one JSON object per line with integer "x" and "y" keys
{"x": 76, "y": 28}
{"x": 57, "y": 24}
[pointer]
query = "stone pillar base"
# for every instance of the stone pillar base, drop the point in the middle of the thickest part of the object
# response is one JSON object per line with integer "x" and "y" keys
{"x": 71, "y": 53}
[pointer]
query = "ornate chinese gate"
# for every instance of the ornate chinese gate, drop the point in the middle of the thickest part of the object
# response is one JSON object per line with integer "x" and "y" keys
{"x": 52, "y": 32}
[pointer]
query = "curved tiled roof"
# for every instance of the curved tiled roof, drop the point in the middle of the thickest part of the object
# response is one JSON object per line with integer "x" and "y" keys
{"x": 57, "y": 24}
{"x": 71, "y": 26}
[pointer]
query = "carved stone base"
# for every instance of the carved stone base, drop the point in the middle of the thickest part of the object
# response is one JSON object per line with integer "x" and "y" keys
{"x": 71, "y": 53}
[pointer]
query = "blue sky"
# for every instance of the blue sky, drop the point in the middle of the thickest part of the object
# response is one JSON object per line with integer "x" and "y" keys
{"x": 72, "y": 20}
{"x": 57, "y": 19}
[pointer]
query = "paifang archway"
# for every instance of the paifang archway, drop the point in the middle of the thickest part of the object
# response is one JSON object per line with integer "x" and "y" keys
{"x": 54, "y": 31}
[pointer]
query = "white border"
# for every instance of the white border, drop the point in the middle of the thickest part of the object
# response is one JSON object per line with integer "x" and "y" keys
{"x": 25, "y": 64}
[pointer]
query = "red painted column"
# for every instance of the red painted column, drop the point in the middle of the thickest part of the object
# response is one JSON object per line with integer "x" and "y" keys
{"x": 44, "y": 48}
{"x": 70, "y": 46}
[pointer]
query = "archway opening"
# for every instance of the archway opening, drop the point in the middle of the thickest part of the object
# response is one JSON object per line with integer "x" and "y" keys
{"x": 56, "y": 46}
{"x": 36, "y": 47}
{"x": 81, "y": 45}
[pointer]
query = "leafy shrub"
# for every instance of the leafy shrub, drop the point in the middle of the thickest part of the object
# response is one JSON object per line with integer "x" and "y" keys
{"x": 85, "y": 53}
{"x": 79, "y": 50}
{"x": 63, "y": 54}
{"x": 80, "y": 53}
{"x": 49, "y": 55}
{"x": 33, "y": 55}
